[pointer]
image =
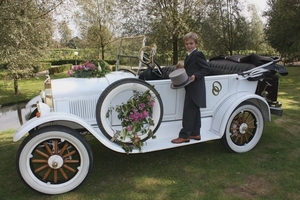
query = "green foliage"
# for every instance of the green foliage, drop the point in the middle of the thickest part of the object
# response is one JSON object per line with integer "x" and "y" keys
{"x": 59, "y": 69}
{"x": 76, "y": 43}
{"x": 110, "y": 62}
{"x": 98, "y": 24}
{"x": 65, "y": 61}
{"x": 25, "y": 32}
{"x": 66, "y": 55}
{"x": 104, "y": 65}
{"x": 164, "y": 22}
{"x": 65, "y": 33}
{"x": 224, "y": 29}
{"x": 221, "y": 25}
{"x": 136, "y": 118}
{"x": 282, "y": 30}
{"x": 41, "y": 66}
{"x": 2, "y": 75}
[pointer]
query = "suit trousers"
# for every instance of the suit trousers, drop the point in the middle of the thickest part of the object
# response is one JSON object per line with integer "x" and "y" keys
{"x": 191, "y": 119}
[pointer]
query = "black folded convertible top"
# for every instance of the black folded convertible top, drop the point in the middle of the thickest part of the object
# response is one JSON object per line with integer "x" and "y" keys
{"x": 236, "y": 64}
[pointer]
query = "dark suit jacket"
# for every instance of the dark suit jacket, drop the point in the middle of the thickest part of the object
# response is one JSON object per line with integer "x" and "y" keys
{"x": 196, "y": 64}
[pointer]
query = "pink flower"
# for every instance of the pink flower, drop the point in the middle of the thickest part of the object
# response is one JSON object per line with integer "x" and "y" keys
{"x": 141, "y": 116}
{"x": 128, "y": 128}
{"x": 142, "y": 106}
{"x": 85, "y": 68}
{"x": 75, "y": 67}
{"x": 151, "y": 103}
{"x": 145, "y": 114}
{"x": 135, "y": 116}
{"x": 70, "y": 72}
{"x": 89, "y": 66}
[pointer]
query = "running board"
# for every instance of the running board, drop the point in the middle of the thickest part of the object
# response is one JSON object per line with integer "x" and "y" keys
{"x": 166, "y": 132}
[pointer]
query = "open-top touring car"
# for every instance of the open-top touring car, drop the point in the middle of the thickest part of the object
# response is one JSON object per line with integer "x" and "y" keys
{"x": 56, "y": 158}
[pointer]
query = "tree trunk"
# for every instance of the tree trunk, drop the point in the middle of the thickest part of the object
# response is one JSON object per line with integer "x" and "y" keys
{"x": 175, "y": 51}
{"x": 102, "y": 52}
{"x": 19, "y": 111}
{"x": 16, "y": 86}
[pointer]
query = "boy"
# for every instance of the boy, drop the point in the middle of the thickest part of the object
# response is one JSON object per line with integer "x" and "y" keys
{"x": 196, "y": 68}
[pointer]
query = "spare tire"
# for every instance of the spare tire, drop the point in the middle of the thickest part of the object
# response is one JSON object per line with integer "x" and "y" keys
{"x": 120, "y": 92}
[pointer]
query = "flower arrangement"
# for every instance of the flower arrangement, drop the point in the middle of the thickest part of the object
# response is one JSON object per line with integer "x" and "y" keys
{"x": 136, "y": 117}
{"x": 88, "y": 69}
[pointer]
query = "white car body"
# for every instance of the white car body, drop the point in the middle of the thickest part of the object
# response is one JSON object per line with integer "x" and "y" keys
{"x": 234, "y": 90}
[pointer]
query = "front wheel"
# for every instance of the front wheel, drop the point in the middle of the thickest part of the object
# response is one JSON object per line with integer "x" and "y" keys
{"x": 54, "y": 160}
{"x": 244, "y": 128}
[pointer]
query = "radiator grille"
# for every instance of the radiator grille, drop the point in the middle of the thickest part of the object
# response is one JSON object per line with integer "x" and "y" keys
{"x": 84, "y": 108}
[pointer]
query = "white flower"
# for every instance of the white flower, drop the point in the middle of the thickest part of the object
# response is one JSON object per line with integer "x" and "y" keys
{"x": 99, "y": 67}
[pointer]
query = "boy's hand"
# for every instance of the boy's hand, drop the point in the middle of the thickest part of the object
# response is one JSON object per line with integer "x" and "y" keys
{"x": 192, "y": 78}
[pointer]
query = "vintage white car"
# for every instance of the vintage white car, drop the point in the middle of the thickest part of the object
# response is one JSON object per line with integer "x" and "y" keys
{"x": 56, "y": 158}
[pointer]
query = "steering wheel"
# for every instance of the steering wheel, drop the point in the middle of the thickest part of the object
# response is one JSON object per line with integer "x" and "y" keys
{"x": 148, "y": 59}
{"x": 151, "y": 51}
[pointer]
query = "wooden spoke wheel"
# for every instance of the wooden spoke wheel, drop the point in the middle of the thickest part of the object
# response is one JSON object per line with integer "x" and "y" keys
{"x": 54, "y": 160}
{"x": 244, "y": 128}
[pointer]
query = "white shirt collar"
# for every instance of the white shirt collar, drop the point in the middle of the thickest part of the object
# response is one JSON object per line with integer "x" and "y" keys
{"x": 191, "y": 51}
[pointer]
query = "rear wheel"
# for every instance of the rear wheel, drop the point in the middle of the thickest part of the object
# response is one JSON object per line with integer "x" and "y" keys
{"x": 54, "y": 160}
{"x": 244, "y": 128}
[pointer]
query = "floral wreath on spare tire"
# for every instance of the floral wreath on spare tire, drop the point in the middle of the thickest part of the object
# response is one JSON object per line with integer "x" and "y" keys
{"x": 136, "y": 117}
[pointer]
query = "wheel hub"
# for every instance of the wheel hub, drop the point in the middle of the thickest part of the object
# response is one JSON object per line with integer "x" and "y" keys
{"x": 55, "y": 161}
{"x": 243, "y": 128}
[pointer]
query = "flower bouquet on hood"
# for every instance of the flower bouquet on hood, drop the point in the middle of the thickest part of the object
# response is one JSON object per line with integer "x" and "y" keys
{"x": 86, "y": 70}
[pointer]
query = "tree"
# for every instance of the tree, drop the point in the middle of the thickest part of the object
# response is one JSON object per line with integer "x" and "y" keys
{"x": 75, "y": 43}
{"x": 282, "y": 28}
{"x": 97, "y": 24}
{"x": 165, "y": 22}
{"x": 99, "y": 37}
{"x": 25, "y": 32}
{"x": 224, "y": 29}
{"x": 256, "y": 30}
{"x": 65, "y": 33}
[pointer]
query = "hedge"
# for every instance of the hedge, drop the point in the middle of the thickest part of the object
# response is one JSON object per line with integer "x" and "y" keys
{"x": 73, "y": 62}
{"x": 41, "y": 66}
{"x": 59, "y": 69}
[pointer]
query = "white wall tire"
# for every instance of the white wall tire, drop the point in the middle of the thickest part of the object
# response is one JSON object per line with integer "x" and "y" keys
{"x": 118, "y": 92}
{"x": 54, "y": 160}
{"x": 244, "y": 128}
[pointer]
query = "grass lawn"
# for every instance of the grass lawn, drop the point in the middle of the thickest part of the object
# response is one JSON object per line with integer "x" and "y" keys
{"x": 203, "y": 171}
{"x": 29, "y": 88}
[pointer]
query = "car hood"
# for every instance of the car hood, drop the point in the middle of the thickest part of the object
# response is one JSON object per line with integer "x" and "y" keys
{"x": 74, "y": 87}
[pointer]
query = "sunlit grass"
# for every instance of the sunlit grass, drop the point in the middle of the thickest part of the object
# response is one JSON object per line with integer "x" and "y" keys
{"x": 28, "y": 88}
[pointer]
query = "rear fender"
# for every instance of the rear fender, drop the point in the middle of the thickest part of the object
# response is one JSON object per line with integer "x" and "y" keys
{"x": 223, "y": 112}
{"x": 52, "y": 117}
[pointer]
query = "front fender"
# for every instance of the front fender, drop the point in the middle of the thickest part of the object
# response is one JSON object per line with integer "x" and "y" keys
{"x": 223, "y": 112}
{"x": 51, "y": 117}
{"x": 33, "y": 101}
